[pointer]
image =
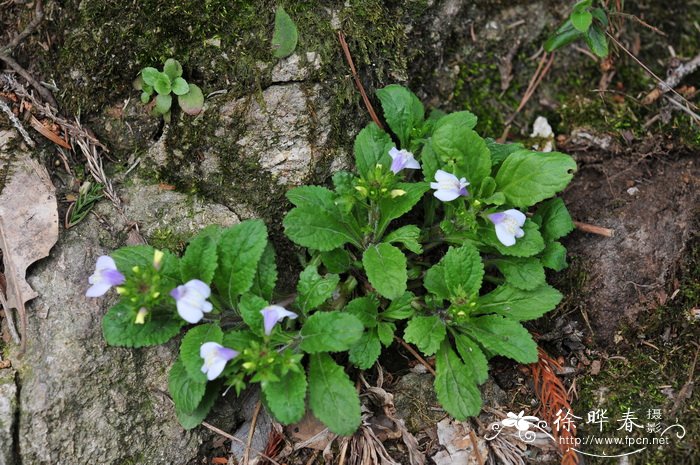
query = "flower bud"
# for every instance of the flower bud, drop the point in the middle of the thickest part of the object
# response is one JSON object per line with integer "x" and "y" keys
{"x": 397, "y": 193}
{"x": 141, "y": 316}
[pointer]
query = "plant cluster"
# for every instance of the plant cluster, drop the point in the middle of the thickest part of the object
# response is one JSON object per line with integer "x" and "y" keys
{"x": 164, "y": 84}
{"x": 584, "y": 22}
{"x": 439, "y": 235}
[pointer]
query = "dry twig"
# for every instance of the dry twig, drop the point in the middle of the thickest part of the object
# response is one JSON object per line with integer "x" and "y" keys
{"x": 253, "y": 423}
{"x": 589, "y": 228}
{"x": 415, "y": 354}
{"x": 673, "y": 79}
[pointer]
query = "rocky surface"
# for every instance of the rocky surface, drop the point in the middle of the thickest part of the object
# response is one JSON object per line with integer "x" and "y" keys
{"x": 8, "y": 412}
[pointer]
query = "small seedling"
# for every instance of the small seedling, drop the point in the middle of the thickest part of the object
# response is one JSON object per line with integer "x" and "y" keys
{"x": 164, "y": 84}
{"x": 88, "y": 195}
{"x": 585, "y": 22}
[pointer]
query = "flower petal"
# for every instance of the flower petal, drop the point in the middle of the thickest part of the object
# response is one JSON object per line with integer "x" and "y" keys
{"x": 112, "y": 277}
{"x": 446, "y": 195}
{"x": 517, "y": 215}
{"x": 98, "y": 289}
{"x": 189, "y": 312}
{"x": 199, "y": 286}
{"x": 208, "y": 348}
{"x": 444, "y": 176}
{"x": 105, "y": 262}
{"x": 504, "y": 235}
{"x": 413, "y": 164}
{"x": 394, "y": 152}
{"x": 216, "y": 368}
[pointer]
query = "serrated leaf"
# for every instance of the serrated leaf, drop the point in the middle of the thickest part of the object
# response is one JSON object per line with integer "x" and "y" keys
{"x": 400, "y": 308}
{"x": 434, "y": 281}
{"x": 554, "y": 219}
{"x": 463, "y": 271}
{"x": 372, "y": 147}
{"x": 119, "y": 329}
{"x": 472, "y": 356}
{"x": 266, "y": 275}
{"x": 332, "y": 396}
{"x": 518, "y": 304}
{"x": 385, "y": 266}
{"x": 172, "y": 68}
{"x": 365, "y": 352}
{"x": 189, "y": 420}
{"x": 365, "y": 309}
{"x": 522, "y": 273}
{"x": 186, "y": 392}
{"x": 455, "y": 385}
{"x": 454, "y": 143}
{"x": 249, "y": 307}
{"x": 285, "y": 37}
{"x": 527, "y": 177}
{"x": 190, "y": 345}
{"x": 314, "y": 289}
{"x": 408, "y": 236}
{"x": 500, "y": 152}
{"x": 530, "y": 244}
{"x": 503, "y": 336}
{"x": 336, "y": 260}
{"x": 239, "y": 250}
{"x": 193, "y": 101}
{"x": 554, "y": 256}
{"x": 426, "y": 332}
{"x": 429, "y": 161}
{"x": 199, "y": 260}
{"x": 403, "y": 111}
{"x": 180, "y": 86}
{"x": 385, "y": 332}
{"x": 330, "y": 332}
{"x": 285, "y": 398}
{"x": 394, "y": 208}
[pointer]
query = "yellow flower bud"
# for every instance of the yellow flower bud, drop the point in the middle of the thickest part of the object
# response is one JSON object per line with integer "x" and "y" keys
{"x": 397, "y": 193}
{"x": 362, "y": 190}
{"x": 120, "y": 290}
{"x": 158, "y": 259}
{"x": 141, "y": 316}
{"x": 249, "y": 365}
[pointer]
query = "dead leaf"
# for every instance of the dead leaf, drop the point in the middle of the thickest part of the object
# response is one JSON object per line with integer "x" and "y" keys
{"x": 28, "y": 226}
{"x": 48, "y": 133}
{"x": 459, "y": 444}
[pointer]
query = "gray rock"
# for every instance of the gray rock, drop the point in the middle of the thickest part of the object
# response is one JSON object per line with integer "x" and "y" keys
{"x": 80, "y": 400}
{"x": 8, "y": 412}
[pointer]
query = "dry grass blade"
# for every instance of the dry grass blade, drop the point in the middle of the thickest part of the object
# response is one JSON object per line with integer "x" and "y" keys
{"x": 48, "y": 133}
{"x": 554, "y": 399}
{"x": 16, "y": 123}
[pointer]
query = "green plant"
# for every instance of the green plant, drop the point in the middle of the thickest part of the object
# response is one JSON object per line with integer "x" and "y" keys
{"x": 584, "y": 22}
{"x": 88, "y": 195}
{"x": 164, "y": 84}
{"x": 457, "y": 271}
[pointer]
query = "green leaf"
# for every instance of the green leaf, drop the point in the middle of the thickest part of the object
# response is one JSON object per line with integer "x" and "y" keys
{"x": 285, "y": 398}
{"x": 200, "y": 259}
{"x": 408, "y": 235}
{"x": 332, "y": 396}
{"x": 180, "y": 86}
{"x": 455, "y": 143}
{"x": 385, "y": 266}
{"x": 472, "y": 356}
{"x": 249, "y": 307}
{"x": 500, "y": 152}
{"x": 518, "y": 304}
{"x": 402, "y": 111}
{"x": 522, "y": 273}
{"x": 372, "y": 147}
{"x": 429, "y": 161}
{"x": 400, "y": 308}
{"x": 385, "y": 332}
{"x": 172, "y": 68}
{"x": 565, "y": 35}
{"x": 434, "y": 281}
{"x": 317, "y": 222}
{"x": 455, "y": 385}
{"x": 527, "y": 246}
{"x": 238, "y": 340}
{"x": 266, "y": 275}
{"x": 193, "y": 101}
{"x": 150, "y": 75}
{"x": 119, "y": 329}
{"x": 162, "y": 84}
{"x": 527, "y": 177}
{"x": 190, "y": 345}
{"x": 330, "y": 332}
{"x": 314, "y": 289}
{"x": 365, "y": 309}
{"x": 285, "y": 37}
{"x": 186, "y": 392}
{"x": 554, "y": 256}
{"x": 503, "y": 336}
{"x": 145, "y": 97}
{"x": 240, "y": 249}
{"x": 365, "y": 352}
{"x": 336, "y": 260}
{"x": 189, "y": 420}
{"x": 554, "y": 219}
{"x": 596, "y": 41}
{"x": 426, "y": 332}
{"x": 163, "y": 103}
{"x": 463, "y": 271}
{"x": 458, "y": 120}
{"x": 581, "y": 19}
{"x": 394, "y": 208}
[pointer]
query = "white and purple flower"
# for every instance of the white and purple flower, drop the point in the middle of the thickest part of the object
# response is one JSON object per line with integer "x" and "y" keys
{"x": 508, "y": 226}
{"x": 448, "y": 187}
{"x": 215, "y": 358}
{"x": 105, "y": 276}
{"x": 401, "y": 159}
{"x": 272, "y": 314}
{"x": 192, "y": 301}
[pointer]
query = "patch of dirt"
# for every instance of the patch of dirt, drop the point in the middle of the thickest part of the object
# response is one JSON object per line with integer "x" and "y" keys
{"x": 651, "y": 202}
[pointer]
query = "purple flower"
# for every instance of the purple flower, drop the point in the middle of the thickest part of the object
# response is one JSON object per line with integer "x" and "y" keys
{"x": 215, "y": 358}
{"x": 402, "y": 159}
{"x": 105, "y": 276}
{"x": 448, "y": 187}
{"x": 191, "y": 300}
{"x": 508, "y": 226}
{"x": 273, "y": 314}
